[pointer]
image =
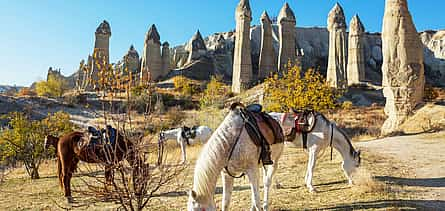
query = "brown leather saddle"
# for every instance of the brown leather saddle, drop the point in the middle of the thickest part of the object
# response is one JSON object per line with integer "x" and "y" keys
{"x": 302, "y": 123}
{"x": 262, "y": 129}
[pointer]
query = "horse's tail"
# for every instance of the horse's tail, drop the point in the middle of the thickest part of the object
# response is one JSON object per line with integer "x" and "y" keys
{"x": 59, "y": 171}
{"x": 236, "y": 105}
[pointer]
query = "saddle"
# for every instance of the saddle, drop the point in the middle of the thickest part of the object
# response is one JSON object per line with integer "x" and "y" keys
{"x": 302, "y": 124}
{"x": 188, "y": 133}
{"x": 100, "y": 137}
{"x": 262, "y": 129}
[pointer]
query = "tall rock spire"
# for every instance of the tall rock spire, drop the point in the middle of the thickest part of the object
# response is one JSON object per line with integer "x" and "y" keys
{"x": 196, "y": 47}
{"x": 337, "y": 60}
{"x": 101, "y": 54}
{"x": 356, "y": 54}
{"x": 287, "y": 32}
{"x": 267, "y": 57}
{"x": 242, "y": 64}
{"x": 151, "y": 65}
{"x": 403, "y": 68}
{"x": 166, "y": 58}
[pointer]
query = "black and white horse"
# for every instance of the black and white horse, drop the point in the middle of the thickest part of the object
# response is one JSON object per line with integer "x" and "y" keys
{"x": 186, "y": 136}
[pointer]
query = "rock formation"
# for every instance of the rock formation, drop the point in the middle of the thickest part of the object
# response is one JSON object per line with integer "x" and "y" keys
{"x": 196, "y": 48}
{"x": 286, "y": 27}
{"x": 151, "y": 65}
{"x": 166, "y": 64}
{"x": 101, "y": 54}
{"x": 242, "y": 64}
{"x": 131, "y": 61}
{"x": 337, "y": 60}
{"x": 267, "y": 55}
{"x": 130, "y": 64}
{"x": 403, "y": 70}
{"x": 356, "y": 54}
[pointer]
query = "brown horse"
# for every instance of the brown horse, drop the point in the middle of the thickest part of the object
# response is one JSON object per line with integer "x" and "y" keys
{"x": 70, "y": 151}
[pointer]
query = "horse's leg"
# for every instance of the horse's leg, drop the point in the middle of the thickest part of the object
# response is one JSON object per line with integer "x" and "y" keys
{"x": 227, "y": 190}
{"x": 253, "y": 175}
{"x": 310, "y": 168}
{"x": 269, "y": 172}
{"x": 108, "y": 175}
{"x": 184, "y": 153}
{"x": 67, "y": 185}
{"x": 65, "y": 177}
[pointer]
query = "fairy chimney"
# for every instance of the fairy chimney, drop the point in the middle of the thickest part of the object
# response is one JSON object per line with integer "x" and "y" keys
{"x": 242, "y": 64}
{"x": 131, "y": 61}
{"x": 403, "y": 68}
{"x": 337, "y": 59}
{"x": 101, "y": 53}
{"x": 166, "y": 65}
{"x": 196, "y": 47}
{"x": 356, "y": 54}
{"x": 287, "y": 33}
{"x": 151, "y": 65}
{"x": 267, "y": 57}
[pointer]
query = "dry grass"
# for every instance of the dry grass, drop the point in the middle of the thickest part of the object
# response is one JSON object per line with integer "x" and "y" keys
{"x": 360, "y": 123}
{"x": 21, "y": 193}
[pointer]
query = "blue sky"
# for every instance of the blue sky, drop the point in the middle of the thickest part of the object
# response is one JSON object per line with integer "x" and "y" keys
{"x": 36, "y": 34}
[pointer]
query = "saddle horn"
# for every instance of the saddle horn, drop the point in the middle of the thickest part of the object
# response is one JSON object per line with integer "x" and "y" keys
{"x": 236, "y": 105}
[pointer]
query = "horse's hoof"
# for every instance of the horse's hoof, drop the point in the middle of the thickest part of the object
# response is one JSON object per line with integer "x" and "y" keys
{"x": 278, "y": 186}
{"x": 312, "y": 190}
{"x": 265, "y": 207}
{"x": 69, "y": 199}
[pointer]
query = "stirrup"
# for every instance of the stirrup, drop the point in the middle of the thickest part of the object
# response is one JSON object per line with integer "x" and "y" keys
{"x": 266, "y": 159}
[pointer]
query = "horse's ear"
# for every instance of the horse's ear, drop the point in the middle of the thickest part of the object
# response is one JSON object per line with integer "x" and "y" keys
{"x": 193, "y": 194}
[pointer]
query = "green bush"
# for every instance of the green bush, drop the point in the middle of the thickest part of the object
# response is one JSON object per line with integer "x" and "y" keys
{"x": 214, "y": 94}
{"x": 24, "y": 141}
{"x": 300, "y": 91}
{"x": 53, "y": 87}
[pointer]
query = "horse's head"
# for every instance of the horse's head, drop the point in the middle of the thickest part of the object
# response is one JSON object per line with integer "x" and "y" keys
{"x": 357, "y": 158}
{"x": 195, "y": 203}
{"x": 50, "y": 141}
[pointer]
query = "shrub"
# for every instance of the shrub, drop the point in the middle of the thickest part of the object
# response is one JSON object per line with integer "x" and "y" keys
{"x": 53, "y": 87}
{"x": 347, "y": 105}
{"x": 215, "y": 93}
{"x": 430, "y": 93}
{"x": 26, "y": 92}
{"x": 24, "y": 141}
{"x": 299, "y": 91}
{"x": 185, "y": 86}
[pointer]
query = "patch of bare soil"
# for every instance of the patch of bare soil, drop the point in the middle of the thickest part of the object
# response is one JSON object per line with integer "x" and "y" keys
{"x": 420, "y": 161}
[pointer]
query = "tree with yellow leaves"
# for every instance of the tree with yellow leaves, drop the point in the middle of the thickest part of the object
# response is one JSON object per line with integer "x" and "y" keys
{"x": 299, "y": 90}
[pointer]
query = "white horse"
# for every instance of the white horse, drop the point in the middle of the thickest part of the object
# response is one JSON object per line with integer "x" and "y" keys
{"x": 202, "y": 134}
{"x": 231, "y": 135}
{"x": 319, "y": 139}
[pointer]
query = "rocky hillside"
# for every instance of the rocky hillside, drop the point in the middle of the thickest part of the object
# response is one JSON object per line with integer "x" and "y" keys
{"x": 312, "y": 49}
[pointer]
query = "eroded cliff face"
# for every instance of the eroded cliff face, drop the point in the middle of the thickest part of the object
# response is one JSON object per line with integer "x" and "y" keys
{"x": 313, "y": 47}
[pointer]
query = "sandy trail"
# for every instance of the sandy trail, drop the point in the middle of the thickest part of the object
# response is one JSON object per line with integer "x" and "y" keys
{"x": 420, "y": 155}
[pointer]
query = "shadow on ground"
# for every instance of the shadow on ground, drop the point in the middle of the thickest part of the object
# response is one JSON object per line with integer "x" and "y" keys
{"x": 382, "y": 204}
{"x": 422, "y": 182}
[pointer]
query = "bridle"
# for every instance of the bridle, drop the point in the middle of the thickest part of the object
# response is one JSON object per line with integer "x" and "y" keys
{"x": 160, "y": 147}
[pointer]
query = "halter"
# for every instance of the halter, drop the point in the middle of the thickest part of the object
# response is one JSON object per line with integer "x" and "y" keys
{"x": 231, "y": 153}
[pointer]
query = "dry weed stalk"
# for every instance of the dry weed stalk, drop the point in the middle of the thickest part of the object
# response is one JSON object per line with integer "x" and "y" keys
{"x": 143, "y": 173}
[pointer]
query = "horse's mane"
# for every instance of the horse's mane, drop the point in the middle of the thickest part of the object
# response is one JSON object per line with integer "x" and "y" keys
{"x": 214, "y": 155}
{"x": 348, "y": 140}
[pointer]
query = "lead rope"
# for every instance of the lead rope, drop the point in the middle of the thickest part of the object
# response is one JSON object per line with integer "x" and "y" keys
{"x": 231, "y": 152}
{"x": 332, "y": 136}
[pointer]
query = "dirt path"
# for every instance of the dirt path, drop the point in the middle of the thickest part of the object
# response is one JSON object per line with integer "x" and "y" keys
{"x": 421, "y": 158}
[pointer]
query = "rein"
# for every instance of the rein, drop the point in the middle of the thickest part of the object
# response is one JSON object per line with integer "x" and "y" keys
{"x": 332, "y": 136}
{"x": 231, "y": 153}
{"x": 160, "y": 151}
